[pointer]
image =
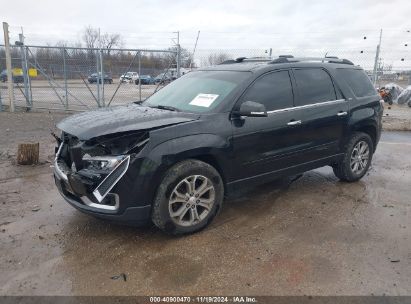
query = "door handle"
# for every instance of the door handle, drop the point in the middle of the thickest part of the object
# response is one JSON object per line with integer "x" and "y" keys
{"x": 294, "y": 123}
{"x": 342, "y": 113}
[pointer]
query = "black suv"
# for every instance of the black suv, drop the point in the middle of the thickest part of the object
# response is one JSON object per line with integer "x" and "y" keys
{"x": 174, "y": 157}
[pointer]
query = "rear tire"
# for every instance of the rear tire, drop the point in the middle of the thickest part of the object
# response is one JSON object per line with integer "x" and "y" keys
{"x": 188, "y": 198}
{"x": 358, "y": 153}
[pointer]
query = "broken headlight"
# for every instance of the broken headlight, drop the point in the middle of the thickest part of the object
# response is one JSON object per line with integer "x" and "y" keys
{"x": 100, "y": 173}
{"x": 102, "y": 162}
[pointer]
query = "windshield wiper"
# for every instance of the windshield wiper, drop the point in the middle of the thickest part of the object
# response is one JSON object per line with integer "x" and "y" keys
{"x": 162, "y": 107}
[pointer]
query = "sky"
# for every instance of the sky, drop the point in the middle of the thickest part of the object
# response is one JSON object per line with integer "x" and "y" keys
{"x": 243, "y": 27}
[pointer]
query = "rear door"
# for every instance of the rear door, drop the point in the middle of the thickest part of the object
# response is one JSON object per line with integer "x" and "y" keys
{"x": 323, "y": 113}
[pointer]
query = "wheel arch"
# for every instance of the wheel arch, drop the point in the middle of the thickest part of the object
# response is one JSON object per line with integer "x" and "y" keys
{"x": 213, "y": 162}
{"x": 207, "y": 158}
{"x": 368, "y": 128}
{"x": 208, "y": 148}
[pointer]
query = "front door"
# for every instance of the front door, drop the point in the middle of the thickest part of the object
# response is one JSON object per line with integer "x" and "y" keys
{"x": 265, "y": 144}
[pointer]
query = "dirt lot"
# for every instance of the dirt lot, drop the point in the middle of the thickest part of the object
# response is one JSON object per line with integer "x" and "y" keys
{"x": 314, "y": 235}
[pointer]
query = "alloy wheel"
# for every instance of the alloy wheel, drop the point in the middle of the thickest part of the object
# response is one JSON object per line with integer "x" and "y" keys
{"x": 360, "y": 156}
{"x": 191, "y": 200}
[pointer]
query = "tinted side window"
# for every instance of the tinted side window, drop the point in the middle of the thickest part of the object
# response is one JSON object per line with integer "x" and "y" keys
{"x": 358, "y": 81}
{"x": 314, "y": 85}
{"x": 273, "y": 90}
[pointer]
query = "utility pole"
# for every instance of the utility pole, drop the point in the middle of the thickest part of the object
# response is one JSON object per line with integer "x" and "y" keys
{"x": 65, "y": 78}
{"x": 100, "y": 53}
{"x": 98, "y": 76}
{"x": 139, "y": 75}
{"x": 178, "y": 54}
{"x": 8, "y": 66}
{"x": 409, "y": 73}
{"x": 194, "y": 51}
{"x": 98, "y": 79}
{"x": 1, "y": 103}
{"x": 377, "y": 57}
{"x": 24, "y": 66}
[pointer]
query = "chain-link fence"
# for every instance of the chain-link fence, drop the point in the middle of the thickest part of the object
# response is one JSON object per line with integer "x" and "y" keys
{"x": 68, "y": 78}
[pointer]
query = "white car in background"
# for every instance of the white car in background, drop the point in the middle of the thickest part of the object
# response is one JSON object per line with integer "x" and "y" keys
{"x": 129, "y": 77}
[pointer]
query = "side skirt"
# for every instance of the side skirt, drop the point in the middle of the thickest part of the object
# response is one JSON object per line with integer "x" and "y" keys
{"x": 270, "y": 176}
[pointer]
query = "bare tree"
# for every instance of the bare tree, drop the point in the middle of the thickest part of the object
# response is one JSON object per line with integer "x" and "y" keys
{"x": 62, "y": 44}
{"x": 90, "y": 37}
{"x": 214, "y": 59}
{"x": 171, "y": 58}
{"x": 108, "y": 41}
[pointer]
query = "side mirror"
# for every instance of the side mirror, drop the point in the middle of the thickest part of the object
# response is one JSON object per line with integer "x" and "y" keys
{"x": 251, "y": 109}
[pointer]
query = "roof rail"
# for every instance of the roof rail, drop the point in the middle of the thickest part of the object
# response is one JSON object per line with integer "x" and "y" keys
{"x": 247, "y": 59}
{"x": 329, "y": 59}
{"x": 289, "y": 59}
{"x": 254, "y": 59}
{"x": 230, "y": 61}
{"x": 240, "y": 59}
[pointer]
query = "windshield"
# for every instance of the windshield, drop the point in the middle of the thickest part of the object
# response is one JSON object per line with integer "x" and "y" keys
{"x": 198, "y": 92}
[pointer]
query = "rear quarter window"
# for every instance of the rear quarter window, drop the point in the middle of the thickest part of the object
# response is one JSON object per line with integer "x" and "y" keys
{"x": 358, "y": 81}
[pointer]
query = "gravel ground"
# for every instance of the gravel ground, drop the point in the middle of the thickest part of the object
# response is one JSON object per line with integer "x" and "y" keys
{"x": 314, "y": 235}
{"x": 397, "y": 118}
{"x": 79, "y": 98}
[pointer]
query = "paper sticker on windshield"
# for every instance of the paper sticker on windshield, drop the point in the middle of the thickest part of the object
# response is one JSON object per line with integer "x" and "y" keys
{"x": 204, "y": 100}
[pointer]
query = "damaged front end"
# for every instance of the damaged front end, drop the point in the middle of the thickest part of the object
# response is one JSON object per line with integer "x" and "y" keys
{"x": 86, "y": 171}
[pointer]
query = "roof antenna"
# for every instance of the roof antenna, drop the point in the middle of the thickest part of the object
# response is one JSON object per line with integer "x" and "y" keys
{"x": 194, "y": 51}
{"x": 325, "y": 56}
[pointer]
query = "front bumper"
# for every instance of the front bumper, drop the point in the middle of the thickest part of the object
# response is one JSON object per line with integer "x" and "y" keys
{"x": 130, "y": 216}
{"x": 109, "y": 200}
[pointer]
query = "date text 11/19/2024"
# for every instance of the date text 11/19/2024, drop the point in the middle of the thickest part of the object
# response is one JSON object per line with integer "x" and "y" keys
{"x": 203, "y": 299}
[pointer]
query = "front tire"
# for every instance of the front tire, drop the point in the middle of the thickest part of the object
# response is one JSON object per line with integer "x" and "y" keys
{"x": 188, "y": 198}
{"x": 357, "y": 158}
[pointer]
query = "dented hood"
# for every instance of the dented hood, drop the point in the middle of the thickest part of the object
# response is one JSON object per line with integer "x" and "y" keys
{"x": 117, "y": 119}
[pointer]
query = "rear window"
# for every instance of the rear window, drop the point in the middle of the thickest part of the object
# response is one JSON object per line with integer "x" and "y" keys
{"x": 358, "y": 82}
{"x": 314, "y": 86}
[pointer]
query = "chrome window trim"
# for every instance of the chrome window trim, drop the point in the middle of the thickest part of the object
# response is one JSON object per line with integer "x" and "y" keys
{"x": 312, "y": 105}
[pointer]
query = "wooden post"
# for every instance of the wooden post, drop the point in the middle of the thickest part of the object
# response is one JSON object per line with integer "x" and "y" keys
{"x": 28, "y": 154}
{"x": 10, "y": 84}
